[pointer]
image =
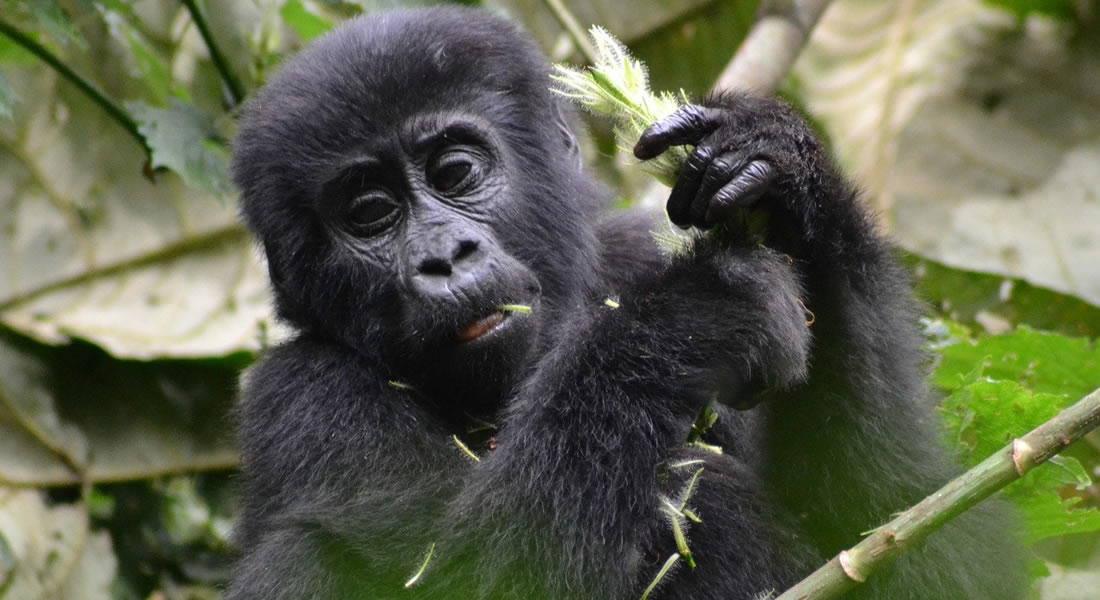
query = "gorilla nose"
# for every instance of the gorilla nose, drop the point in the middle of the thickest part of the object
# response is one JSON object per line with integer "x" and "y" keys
{"x": 441, "y": 273}
{"x": 439, "y": 266}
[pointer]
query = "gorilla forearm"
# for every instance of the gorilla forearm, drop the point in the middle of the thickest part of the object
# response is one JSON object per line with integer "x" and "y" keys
{"x": 615, "y": 399}
{"x": 864, "y": 404}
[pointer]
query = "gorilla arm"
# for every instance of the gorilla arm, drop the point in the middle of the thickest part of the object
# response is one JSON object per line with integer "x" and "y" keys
{"x": 863, "y": 414}
{"x": 345, "y": 477}
{"x": 571, "y": 495}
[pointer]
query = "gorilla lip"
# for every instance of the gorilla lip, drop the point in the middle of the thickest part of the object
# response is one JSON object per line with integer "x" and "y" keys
{"x": 481, "y": 327}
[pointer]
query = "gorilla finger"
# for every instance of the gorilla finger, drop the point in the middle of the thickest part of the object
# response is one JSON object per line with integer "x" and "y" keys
{"x": 718, "y": 173}
{"x": 687, "y": 185}
{"x": 742, "y": 191}
{"x": 688, "y": 125}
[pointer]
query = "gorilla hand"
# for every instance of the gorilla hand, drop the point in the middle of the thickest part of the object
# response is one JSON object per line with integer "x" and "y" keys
{"x": 750, "y": 152}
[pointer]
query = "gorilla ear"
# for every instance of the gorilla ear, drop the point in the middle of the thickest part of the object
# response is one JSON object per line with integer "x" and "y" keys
{"x": 571, "y": 145}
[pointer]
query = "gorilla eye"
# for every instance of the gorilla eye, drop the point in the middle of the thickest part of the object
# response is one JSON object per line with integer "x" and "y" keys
{"x": 450, "y": 172}
{"x": 370, "y": 213}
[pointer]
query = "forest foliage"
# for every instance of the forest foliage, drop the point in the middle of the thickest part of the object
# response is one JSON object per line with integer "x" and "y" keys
{"x": 131, "y": 297}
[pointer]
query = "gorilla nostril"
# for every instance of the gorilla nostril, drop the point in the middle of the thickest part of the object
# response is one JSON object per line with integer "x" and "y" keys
{"x": 435, "y": 266}
{"x": 465, "y": 249}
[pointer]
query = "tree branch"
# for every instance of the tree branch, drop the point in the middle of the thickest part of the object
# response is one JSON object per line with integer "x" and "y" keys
{"x": 236, "y": 89}
{"x": 85, "y": 85}
{"x": 1015, "y": 460}
{"x": 772, "y": 45}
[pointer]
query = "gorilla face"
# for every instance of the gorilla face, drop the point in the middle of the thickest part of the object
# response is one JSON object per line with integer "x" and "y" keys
{"x": 421, "y": 215}
{"x": 402, "y": 229}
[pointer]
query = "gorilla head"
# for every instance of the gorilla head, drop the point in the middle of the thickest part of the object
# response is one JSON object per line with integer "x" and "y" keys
{"x": 401, "y": 228}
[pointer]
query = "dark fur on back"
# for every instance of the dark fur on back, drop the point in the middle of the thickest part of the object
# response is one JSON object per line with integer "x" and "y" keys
{"x": 351, "y": 469}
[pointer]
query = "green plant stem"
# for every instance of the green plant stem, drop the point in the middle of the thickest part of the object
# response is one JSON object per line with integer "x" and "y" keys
{"x": 236, "y": 89}
{"x": 909, "y": 529}
{"x": 573, "y": 28}
{"x": 112, "y": 108}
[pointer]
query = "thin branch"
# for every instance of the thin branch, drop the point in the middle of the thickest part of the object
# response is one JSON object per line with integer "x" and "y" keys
{"x": 112, "y": 108}
{"x": 236, "y": 89}
{"x": 573, "y": 28}
{"x": 906, "y": 532}
{"x": 772, "y": 45}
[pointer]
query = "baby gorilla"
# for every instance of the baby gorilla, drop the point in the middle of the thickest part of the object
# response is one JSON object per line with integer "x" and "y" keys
{"x": 408, "y": 176}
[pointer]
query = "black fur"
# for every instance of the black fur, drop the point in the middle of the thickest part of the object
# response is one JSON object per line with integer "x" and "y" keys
{"x": 350, "y": 465}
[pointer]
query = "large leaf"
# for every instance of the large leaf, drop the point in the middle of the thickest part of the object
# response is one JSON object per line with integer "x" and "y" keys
{"x": 90, "y": 248}
{"x": 75, "y": 413}
{"x": 982, "y": 136}
{"x": 1042, "y": 362}
{"x": 49, "y": 553}
{"x": 997, "y": 303}
{"x": 983, "y": 415}
{"x": 1002, "y": 387}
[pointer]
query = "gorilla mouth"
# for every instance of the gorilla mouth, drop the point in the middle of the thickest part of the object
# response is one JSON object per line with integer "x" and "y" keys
{"x": 482, "y": 326}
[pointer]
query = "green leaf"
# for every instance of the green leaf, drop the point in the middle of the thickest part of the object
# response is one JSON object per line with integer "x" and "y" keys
{"x": 182, "y": 139}
{"x": 53, "y": 19}
{"x": 8, "y": 97}
{"x": 975, "y": 298}
{"x": 1065, "y": 368}
{"x": 982, "y": 415}
{"x": 147, "y": 61}
{"x": 1062, "y": 9}
{"x": 306, "y": 23}
{"x": 1073, "y": 468}
{"x": 76, "y": 412}
{"x": 1003, "y": 386}
{"x": 14, "y": 54}
{"x": 187, "y": 516}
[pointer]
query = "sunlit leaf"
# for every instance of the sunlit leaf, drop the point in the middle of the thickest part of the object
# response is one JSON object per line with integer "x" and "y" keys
{"x": 12, "y": 53}
{"x": 1000, "y": 388}
{"x": 53, "y": 554}
{"x": 1063, "y": 9}
{"x": 306, "y": 23}
{"x": 91, "y": 249}
{"x": 978, "y": 134}
{"x": 1047, "y": 363}
{"x": 983, "y": 415}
